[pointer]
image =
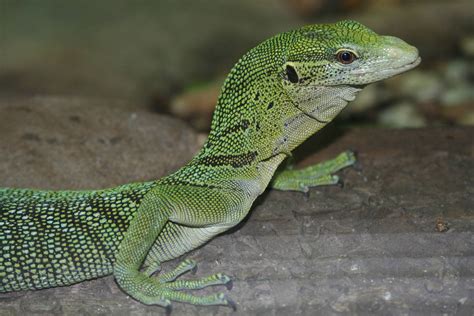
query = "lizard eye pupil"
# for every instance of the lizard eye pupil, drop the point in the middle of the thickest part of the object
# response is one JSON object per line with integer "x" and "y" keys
{"x": 345, "y": 57}
{"x": 292, "y": 74}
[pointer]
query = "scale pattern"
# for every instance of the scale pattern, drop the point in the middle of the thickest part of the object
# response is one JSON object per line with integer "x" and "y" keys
{"x": 38, "y": 227}
{"x": 277, "y": 95}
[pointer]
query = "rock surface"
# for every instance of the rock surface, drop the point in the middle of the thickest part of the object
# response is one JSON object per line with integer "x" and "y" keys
{"x": 79, "y": 143}
{"x": 373, "y": 246}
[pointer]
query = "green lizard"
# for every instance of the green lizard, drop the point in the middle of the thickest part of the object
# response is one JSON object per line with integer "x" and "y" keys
{"x": 276, "y": 96}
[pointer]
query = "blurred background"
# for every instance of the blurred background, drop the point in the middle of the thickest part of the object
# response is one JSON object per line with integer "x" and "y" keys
{"x": 172, "y": 56}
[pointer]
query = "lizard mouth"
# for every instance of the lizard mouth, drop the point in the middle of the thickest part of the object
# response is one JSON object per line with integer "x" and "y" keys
{"x": 410, "y": 65}
{"x": 392, "y": 71}
{"x": 359, "y": 86}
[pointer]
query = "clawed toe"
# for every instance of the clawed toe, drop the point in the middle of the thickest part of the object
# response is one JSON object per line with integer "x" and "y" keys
{"x": 168, "y": 309}
{"x": 230, "y": 303}
{"x": 223, "y": 279}
{"x": 340, "y": 183}
{"x": 185, "y": 266}
{"x": 229, "y": 285}
{"x": 162, "y": 293}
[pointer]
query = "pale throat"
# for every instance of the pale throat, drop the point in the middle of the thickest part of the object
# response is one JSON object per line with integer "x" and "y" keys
{"x": 316, "y": 107}
{"x": 323, "y": 103}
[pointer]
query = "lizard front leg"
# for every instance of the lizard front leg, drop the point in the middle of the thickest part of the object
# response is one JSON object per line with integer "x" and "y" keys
{"x": 315, "y": 175}
{"x": 159, "y": 209}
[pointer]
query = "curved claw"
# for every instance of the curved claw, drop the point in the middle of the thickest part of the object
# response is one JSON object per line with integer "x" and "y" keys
{"x": 168, "y": 310}
{"x": 230, "y": 303}
{"x": 304, "y": 188}
{"x": 306, "y": 194}
{"x": 229, "y": 284}
{"x": 340, "y": 183}
{"x": 353, "y": 152}
{"x": 194, "y": 269}
{"x": 355, "y": 157}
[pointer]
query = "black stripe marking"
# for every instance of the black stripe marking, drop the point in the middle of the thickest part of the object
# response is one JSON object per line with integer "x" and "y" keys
{"x": 235, "y": 161}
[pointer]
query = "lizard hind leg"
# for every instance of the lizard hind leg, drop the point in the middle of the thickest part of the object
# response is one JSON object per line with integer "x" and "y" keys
{"x": 315, "y": 175}
{"x": 164, "y": 288}
{"x": 148, "y": 228}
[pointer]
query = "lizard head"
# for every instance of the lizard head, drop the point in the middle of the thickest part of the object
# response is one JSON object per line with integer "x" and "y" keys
{"x": 291, "y": 85}
{"x": 345, "y": 53}
{"x": 327, "y": 64}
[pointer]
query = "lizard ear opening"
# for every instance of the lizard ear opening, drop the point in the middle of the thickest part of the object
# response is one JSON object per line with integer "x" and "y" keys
{"x": 291, "y": 74}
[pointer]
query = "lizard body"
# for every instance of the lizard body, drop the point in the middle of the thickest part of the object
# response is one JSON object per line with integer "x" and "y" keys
{"x": 276, "y": 96}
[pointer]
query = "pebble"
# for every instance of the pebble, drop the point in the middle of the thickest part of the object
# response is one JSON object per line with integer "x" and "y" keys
{"x": 458, "y": 95}
{"x": 422, "y": 86}
{"x": 401, "y": 115}
{"x": 458, "y": 71}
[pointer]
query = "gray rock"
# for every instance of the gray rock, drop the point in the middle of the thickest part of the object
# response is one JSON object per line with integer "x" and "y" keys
{"x": 78, "y": 143}
{"x": 370, "y": 247}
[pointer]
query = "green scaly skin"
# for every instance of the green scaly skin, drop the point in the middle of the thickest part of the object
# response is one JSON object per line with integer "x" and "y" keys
{"x": 276, "y": 96}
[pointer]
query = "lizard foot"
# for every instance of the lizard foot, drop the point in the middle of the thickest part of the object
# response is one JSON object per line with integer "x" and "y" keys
{"x": 316, "y": 175}
{"x": 164, "y": 288}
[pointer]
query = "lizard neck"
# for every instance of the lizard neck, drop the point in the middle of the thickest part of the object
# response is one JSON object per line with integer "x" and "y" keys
{"x": 274, "y": 124}
{"x": 243, "y": 125}
{"x": 258, "y": 116}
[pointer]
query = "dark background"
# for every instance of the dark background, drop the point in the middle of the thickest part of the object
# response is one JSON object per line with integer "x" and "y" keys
{"x": 172, "y": 56}
{"x": 83, "y": 85}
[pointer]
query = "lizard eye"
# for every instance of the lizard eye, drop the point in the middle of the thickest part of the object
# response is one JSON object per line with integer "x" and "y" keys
{"x": 292, "y": 74}
{"x": 345, "y": 56}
